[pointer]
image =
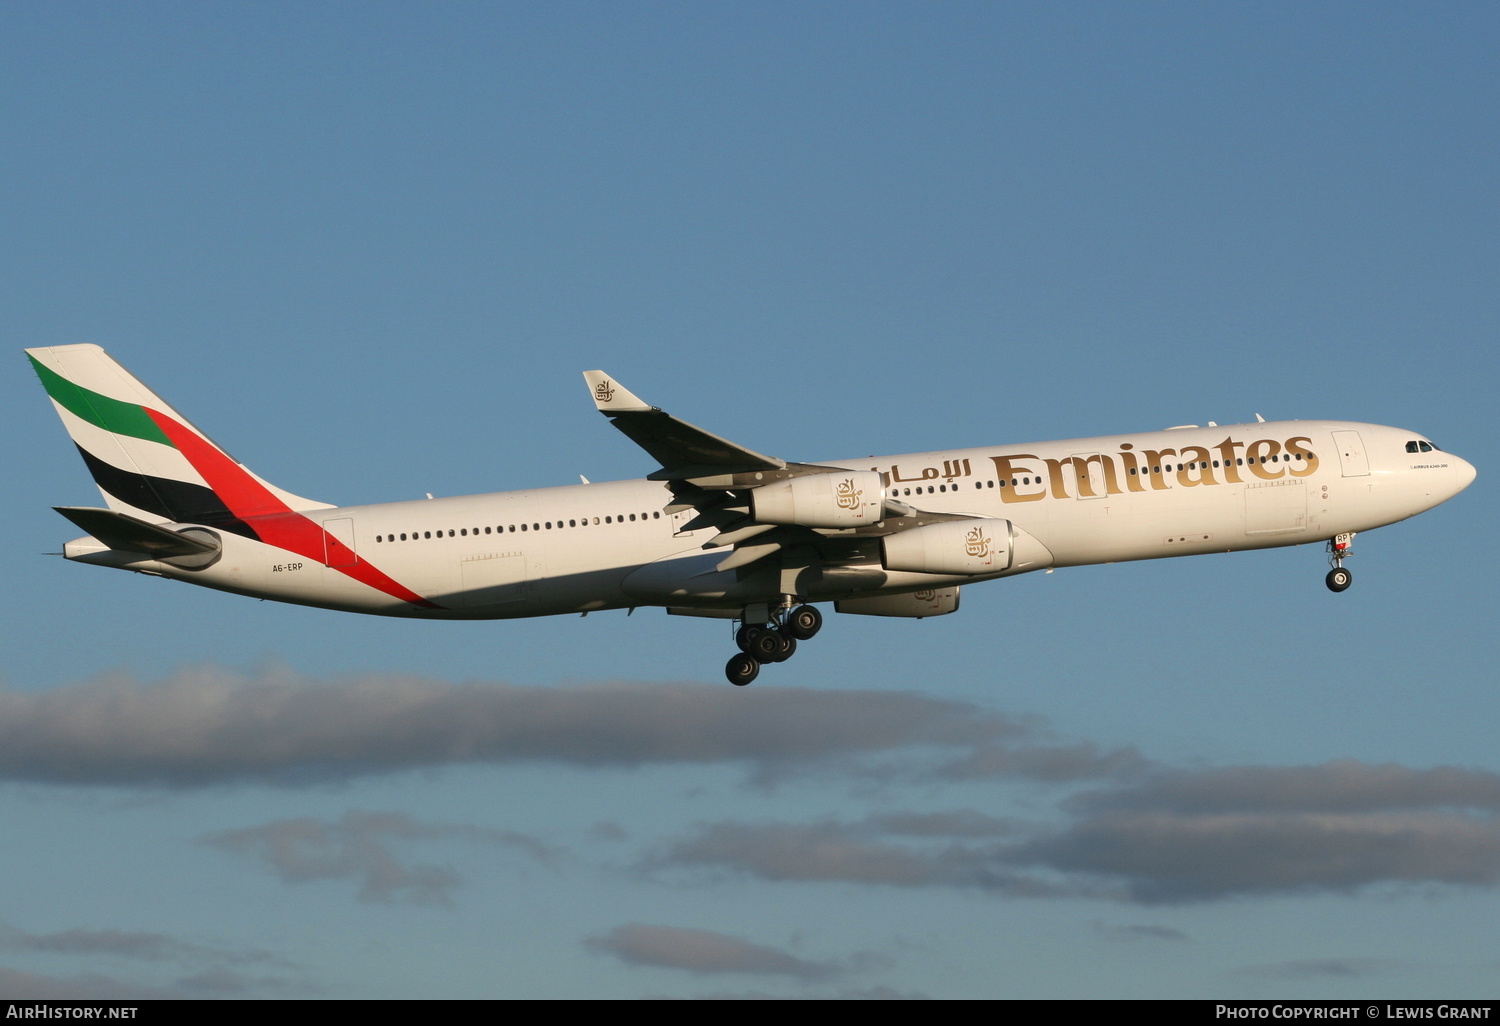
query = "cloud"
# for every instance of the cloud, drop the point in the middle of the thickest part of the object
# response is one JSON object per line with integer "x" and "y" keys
{"x": 1162, "y": 857}
{"x": 1326, "y": 969}
{"x": 1171, "y": 837}
{"x": 955, "y": 823}
{"x": 1139, "y": 932}
{"x": 1057, "y": 763}
{"x": 18, "y": 985}
{"x": 854, "y": 853}
{"x": 357, "y": 847}
{"x": 855, "y": 994}
{"x": 1344, "y": 785}
{"x": 149, "y": 947}
{"x": 204, "y": 726}
{"x": 220, "y": 982}
{"x": 1191, "y": 835}
{"x": 703, "y": 951}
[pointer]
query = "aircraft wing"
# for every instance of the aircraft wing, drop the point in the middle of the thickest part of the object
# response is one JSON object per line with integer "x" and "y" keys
{"x": 684, "y": 451}
{"x": 714, "y": 477}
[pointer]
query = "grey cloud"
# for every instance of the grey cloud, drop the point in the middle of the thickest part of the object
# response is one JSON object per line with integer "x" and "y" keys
{"x": 703, "y": 951}
{"x": 205, "y": 726}
{"x": 149, "y": 947}
{"x": 131, "y": 944}
{"x": 955, "y": 823}
{"x": 855, "y": 994}
{"x": 1326, "y": 969}
{"x": 227, "y": 983}
{"x": 607, "y": 831}
{"x": 1056, "y": 763}
{"x": 1162, "y": 857}
{"x": 18, "y": 985}
{"x": 357, "y": 847}
{"x": 1244, "y": 830}
{"x": 1179, "y": 836}
{"x": 1136, "y": 932}
{"x": 849, "y": 852}
{"x": 1340, "y": 786}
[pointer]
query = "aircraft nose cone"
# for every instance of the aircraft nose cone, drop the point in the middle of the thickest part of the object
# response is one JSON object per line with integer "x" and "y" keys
{"x": 1463, "y": 474}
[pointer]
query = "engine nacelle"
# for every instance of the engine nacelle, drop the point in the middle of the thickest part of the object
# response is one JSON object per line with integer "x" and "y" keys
{"x": 840, "y": 499}
{"x": 977, "y": 546}
{"x": 916, "y": 604}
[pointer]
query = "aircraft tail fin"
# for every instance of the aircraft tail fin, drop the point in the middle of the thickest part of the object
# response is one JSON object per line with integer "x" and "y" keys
{"x": 147, "y": 460}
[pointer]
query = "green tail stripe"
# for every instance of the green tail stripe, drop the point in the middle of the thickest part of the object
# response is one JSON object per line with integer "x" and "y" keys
{"x": 100, "y": 410}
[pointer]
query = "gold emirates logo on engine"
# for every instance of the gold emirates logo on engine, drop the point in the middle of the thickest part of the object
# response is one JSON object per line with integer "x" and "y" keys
{"x": 1026, "y": 477}
{"x": 846, "y": 495}
{"x": 976, "y": 544}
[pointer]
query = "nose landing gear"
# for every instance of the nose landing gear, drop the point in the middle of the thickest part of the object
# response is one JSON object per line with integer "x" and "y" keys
{"x": 771, "y": 642}
{"x": 1340, "y": 547}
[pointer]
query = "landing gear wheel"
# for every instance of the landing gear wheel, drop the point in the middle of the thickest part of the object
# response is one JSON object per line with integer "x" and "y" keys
{"x": 741, "y": 670}
{"x": 804, "y": 622}
{"x": 766, "y": 646}
{"x": 745, "y": 637}
{"x": 1338, "y": 579}
{"x": 787, "y": 646}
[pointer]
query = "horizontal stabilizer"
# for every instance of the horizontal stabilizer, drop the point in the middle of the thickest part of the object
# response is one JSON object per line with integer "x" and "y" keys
{"x": 127, "y": 534}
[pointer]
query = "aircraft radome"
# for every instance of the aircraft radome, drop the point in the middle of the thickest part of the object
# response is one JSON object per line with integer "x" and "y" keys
{"x": 721, "y": 530}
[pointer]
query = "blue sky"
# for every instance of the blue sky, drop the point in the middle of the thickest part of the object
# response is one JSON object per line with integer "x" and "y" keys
{"x": 368, "y": 247}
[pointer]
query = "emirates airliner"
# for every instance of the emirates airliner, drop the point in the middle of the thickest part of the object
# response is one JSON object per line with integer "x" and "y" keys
{"x": 721, "y": 530}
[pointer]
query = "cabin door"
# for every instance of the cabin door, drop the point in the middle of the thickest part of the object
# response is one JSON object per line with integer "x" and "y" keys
{"x": 338, "y": 543}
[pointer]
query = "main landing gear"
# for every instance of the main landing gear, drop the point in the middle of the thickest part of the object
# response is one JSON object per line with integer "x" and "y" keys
{"x": 771, "y": 642}
{"x": 1340, "y": 547}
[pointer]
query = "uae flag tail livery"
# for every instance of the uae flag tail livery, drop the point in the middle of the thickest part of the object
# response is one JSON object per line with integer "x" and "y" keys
{"x": 154, "y": 468}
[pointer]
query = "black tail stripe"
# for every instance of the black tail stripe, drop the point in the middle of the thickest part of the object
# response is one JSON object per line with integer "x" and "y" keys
{"x": 178, "y": 501}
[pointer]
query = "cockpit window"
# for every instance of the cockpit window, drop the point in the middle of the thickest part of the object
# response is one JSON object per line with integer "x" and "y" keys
{"x": 1416, "y": 445}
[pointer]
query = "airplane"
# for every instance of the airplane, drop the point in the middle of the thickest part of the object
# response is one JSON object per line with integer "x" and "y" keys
{"x": 721, "y": 530}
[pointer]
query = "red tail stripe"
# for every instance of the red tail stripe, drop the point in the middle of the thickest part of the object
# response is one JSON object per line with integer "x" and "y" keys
{"x": 275, "y": 522}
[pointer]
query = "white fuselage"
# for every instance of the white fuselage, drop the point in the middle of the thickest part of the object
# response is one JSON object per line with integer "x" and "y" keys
{"x": 1094, "y": 500}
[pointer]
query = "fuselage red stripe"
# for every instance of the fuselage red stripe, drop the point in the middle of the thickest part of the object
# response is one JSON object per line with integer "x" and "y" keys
{"x": 275, "y": 522}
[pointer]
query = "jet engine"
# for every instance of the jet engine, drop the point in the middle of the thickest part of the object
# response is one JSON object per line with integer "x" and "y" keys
{"x": 980, "y": 545}
{"x": 841, "y": 499}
